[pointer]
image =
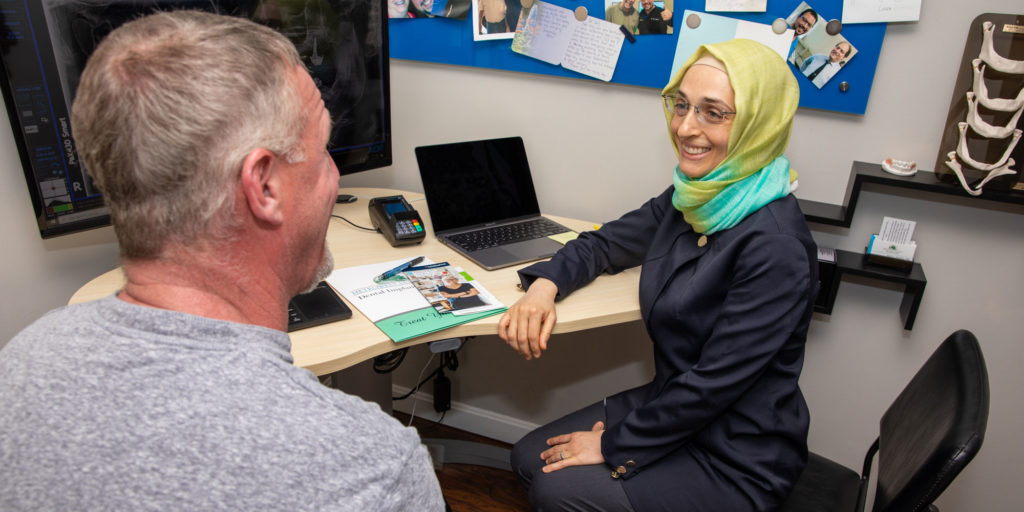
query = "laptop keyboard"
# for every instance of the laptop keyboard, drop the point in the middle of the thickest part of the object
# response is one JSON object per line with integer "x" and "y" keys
{"x": 509, "y": 233}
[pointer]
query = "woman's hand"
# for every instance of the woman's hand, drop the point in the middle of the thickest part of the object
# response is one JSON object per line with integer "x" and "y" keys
{"x": 575, "y": 449}
{"x": 527, "y": 325}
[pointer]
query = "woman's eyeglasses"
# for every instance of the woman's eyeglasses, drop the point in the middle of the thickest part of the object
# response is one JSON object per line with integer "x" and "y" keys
{"x": 708, "y": 114}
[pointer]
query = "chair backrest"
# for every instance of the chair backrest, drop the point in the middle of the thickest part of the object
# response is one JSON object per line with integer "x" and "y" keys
{"x": 934, "y": 427}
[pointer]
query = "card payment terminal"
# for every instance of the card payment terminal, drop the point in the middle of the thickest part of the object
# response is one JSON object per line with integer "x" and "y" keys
{"x": 396, "y": 220}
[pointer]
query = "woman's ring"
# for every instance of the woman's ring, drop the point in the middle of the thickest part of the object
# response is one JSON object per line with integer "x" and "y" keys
{"x": 562, "y": 455}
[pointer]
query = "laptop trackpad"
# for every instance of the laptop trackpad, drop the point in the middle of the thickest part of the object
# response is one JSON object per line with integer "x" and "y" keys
{"x": 519, "y": 252}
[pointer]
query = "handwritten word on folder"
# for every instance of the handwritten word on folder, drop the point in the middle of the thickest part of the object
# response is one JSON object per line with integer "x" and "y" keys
{"x": 554, "y": 35}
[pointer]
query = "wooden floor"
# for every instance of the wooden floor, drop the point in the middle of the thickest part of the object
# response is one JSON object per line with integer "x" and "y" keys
{"x": 470, "y": 488}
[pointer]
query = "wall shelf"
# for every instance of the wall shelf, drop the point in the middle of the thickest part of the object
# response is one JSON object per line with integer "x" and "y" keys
{"x": 854, "y": 263}
{"x": 863, "y": 172}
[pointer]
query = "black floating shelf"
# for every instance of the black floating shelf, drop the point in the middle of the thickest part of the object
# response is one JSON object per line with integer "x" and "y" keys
{"x": 854, "y": 263}
{"x": 863, "y": 172}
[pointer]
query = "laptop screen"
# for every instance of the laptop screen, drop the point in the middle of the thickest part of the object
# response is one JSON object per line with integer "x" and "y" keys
{"x": 471, "y": 183}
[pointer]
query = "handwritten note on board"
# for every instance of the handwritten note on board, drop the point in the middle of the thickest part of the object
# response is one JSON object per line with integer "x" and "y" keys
{"x": 736, "y": 5}
{"x": 594, "y": 49}
{"x": 873, "y": 11}
{"x": 553, "y": 34}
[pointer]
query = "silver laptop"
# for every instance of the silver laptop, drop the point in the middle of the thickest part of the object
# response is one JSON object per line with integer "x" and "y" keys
{"x": 482, "y": 202}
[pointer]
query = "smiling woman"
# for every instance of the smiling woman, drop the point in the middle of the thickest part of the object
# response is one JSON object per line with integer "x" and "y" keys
{"x": 702, "y": 140}
{"x": 727, "y": 291}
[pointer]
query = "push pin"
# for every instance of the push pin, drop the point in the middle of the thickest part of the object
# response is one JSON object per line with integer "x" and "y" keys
{"x": 844, "y": 86}
{"x": 693, "y": 20}
{"x": 834, "y": 27}
{"x": 779, "y": 26}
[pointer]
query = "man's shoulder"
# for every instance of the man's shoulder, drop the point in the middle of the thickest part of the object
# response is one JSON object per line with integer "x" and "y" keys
{"x": 56, "y": 322}
{"x": 248, "y": 424}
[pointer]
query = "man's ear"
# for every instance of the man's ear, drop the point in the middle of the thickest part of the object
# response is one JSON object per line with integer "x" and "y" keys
{"x": 261, "y": 185}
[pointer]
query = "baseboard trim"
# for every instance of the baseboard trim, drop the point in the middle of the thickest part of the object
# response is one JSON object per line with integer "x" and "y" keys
{"x": 463, "y": 416}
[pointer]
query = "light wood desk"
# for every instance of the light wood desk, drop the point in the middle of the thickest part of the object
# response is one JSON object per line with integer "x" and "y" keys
{"x": 611, "y": 299}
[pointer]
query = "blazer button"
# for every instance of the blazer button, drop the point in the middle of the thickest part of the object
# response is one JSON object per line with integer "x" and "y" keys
{"x": 702, "y": 241}
{"x": 615, "y": 475}
{"x": 630, "y": 463}
{"x": 621, "y": 470}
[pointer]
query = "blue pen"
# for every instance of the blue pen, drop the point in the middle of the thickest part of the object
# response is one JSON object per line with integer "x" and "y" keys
{"x": 393, "y": 272}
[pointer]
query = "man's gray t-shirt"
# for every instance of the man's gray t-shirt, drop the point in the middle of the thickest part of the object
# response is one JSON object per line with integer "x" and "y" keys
{"x": 109, "y": 405}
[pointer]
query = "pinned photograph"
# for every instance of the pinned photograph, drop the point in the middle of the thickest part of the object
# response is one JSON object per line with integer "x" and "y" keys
{"x": 455, "y": 9}
{"x": 802, "y": 20}
{"x": 398, "y": 8}
{"x": 496, "y": 19}
{"x": 819, "y": 56}
{"x": 655, "y": 17}
{"x": 623, "y": 12}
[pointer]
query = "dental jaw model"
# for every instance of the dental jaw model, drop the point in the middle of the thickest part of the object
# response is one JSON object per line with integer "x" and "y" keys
{"x": 986, "y": 137}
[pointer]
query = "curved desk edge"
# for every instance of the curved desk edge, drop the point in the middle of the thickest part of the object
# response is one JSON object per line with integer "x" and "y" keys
{"x": 609, "y": 300}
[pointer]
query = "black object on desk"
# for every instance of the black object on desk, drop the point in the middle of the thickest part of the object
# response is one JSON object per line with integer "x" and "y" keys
{"x": 397, "y": 220}
{"x": 317, "y": 307}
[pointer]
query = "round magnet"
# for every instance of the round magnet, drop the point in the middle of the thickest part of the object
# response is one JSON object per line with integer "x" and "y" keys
{"x": 580, "y": 13}
{"x": 844, "y": 86}
{"x": 693, "y": 21}
{"x": 779, "y": 26}
{"x": 834, "y": 27}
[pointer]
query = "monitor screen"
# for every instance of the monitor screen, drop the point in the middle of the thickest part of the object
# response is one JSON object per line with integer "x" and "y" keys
{"x": 45, "y": 44}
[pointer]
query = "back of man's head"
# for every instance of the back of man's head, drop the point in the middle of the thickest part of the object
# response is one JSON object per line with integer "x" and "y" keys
{"x": 167, "y": 109}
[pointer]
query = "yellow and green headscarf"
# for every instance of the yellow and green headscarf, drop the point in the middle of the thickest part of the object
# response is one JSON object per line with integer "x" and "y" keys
{"x": 754, "y": 172}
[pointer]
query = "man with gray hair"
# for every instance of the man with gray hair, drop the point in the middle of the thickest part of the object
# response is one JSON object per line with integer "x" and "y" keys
{"x": 208, "y": 138}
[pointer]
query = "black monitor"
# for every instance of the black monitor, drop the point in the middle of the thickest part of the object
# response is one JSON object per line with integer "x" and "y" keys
{"x": 44, "y": 45}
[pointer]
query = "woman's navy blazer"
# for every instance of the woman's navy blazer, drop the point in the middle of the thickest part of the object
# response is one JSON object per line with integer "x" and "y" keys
{"x": 724, "y": 419}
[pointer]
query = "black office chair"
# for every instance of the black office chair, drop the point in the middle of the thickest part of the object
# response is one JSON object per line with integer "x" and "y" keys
{"x": 926, "y": 437}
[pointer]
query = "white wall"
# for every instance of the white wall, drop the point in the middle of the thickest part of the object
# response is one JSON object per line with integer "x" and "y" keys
{"x": 598, "y": 150}
{"x": 39, "y": 275}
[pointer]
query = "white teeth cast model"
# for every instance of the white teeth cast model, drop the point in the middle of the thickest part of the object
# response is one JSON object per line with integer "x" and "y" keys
{"x": 989, "y": 55}
{"x": 955, "y": 166}
{"x": 987, "y": 130}
{"x": 961, "y": 150}
{"x": 1000, "y": 104}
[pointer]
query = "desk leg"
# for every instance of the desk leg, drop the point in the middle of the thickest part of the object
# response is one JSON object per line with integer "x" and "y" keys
{"x": 362, "y": 381}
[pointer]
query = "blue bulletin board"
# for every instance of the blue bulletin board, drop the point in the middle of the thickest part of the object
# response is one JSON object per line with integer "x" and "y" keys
{"x": 648, "y": 61}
